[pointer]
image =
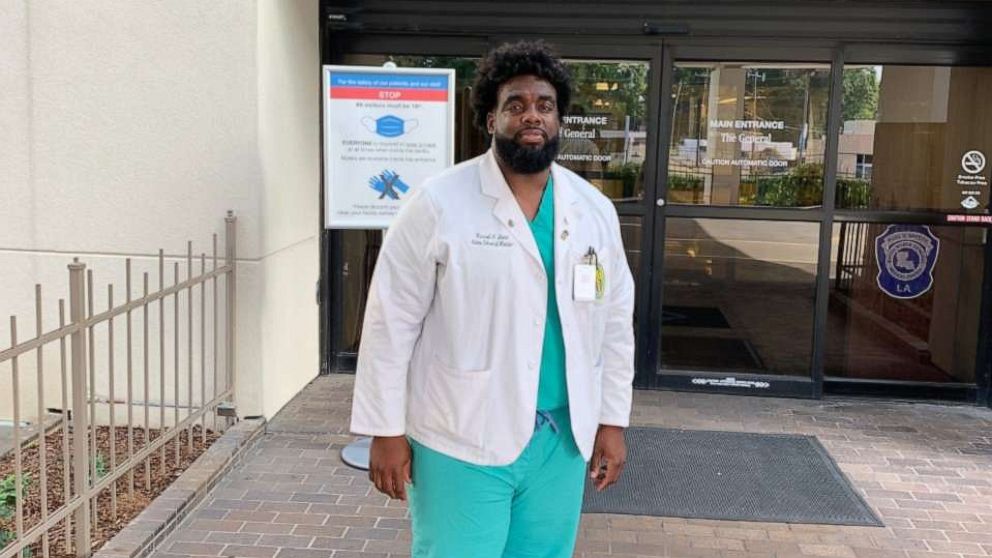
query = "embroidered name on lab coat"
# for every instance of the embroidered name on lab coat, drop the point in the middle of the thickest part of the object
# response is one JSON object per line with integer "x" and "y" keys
{"x": 492, "y": 240}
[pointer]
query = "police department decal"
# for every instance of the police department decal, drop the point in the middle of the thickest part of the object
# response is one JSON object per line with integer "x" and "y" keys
{"x": 906, "y": 255}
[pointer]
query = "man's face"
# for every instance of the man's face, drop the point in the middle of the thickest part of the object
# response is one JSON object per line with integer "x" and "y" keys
{"x": 524, "y": 124}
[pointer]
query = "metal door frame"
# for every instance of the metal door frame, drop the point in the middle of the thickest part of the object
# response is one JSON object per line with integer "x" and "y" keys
{"x": 649, "y": 372}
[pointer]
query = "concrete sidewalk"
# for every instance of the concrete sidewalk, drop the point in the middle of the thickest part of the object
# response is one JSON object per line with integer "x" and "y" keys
{"x": 925, "y": 469}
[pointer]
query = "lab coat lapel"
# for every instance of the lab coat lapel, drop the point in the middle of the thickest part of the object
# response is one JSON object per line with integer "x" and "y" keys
{"x": 506, "y": 209}
{"x": 568, "y": 216}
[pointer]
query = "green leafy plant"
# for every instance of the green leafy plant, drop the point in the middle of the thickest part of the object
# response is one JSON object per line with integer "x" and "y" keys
{"x": 100, "y": 466}
{"x": 627, "y": 173}
{"x": 861, "y": 88}
{"x": 685, "y": 188}
{"x": 801, "y": 186}
{"x": 6, "y": 537}
{"x": 683, "y": 182}
{"x": 8, "y": 494}
{"x": 853, "y": 193}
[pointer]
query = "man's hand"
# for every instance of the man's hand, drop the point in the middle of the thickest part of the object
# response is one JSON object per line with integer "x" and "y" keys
{"x": 609, "y": 455}
{"x": 389, "y": 465}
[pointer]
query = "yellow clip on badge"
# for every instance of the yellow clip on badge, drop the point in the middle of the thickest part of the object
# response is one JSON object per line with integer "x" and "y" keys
{"x": 600, "y": 281}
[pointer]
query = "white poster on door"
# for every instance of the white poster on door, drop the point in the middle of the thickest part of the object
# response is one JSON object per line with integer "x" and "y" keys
{"x": 385, "y": 131}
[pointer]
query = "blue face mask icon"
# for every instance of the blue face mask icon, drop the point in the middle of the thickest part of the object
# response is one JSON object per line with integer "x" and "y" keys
{"x": 389, "y": 126}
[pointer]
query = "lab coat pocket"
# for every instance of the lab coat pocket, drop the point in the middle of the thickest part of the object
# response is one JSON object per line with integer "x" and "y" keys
{"x": 591, "y": 317}
{"x": 460, "y": 401}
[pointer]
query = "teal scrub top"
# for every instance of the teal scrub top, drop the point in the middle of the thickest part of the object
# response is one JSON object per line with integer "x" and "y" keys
{"x": 552, "y": 392}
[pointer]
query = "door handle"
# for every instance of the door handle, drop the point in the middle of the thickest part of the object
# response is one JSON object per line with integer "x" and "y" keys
{"x": 660, "y": 202}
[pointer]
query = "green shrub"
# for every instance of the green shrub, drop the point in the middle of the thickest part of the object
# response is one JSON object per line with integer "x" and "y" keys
{"x": 100, "y": 466}
{"x": 8, "y": 494}
{"x": 627, "y": 173}
{"x": 801, "y": 186}
{"x": 853, "y": 193}
{"x": 684, "y": 182}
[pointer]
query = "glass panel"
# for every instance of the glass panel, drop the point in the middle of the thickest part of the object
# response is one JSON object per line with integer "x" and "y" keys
{"x": 738, "y": 295}
{"x": 904, "y": 302}
{"x": 915, "y": 138}
{"x": 630, "y": 230}
{"x": 359, "y": 250}
{"x": 604, "y": 135}
{"x": 748, "y": 134}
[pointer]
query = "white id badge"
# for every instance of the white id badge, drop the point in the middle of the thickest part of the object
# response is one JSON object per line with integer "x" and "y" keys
{"x": 584, "y": 283}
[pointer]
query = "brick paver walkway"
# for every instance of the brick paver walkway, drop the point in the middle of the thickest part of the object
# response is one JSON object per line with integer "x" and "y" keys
{"x": 925, "y": 469}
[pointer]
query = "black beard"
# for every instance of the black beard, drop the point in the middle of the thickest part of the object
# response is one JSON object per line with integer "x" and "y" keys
{"x": 526, "y": 160}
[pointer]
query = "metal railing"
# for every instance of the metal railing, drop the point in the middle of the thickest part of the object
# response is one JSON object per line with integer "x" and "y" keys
{"x": 84, "y": 480}
{"x": 853, "y": 250}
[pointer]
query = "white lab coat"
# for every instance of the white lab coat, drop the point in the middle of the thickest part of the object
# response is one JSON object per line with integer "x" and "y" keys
{"x": 454, "y": 327}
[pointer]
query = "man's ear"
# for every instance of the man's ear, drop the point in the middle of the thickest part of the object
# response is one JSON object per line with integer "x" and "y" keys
{"x": 490, "y": 123}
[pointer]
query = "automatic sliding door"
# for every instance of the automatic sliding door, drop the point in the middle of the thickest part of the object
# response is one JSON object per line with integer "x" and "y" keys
{"x": 742, "y": 226}
{"x": 905, "y": 302}
{"x": 739, "y": 296}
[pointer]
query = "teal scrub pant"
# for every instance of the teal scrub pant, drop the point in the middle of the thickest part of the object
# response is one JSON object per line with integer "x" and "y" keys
{"x": 528, "y": 509}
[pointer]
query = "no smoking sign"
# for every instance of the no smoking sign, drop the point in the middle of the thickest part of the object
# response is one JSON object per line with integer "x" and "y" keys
{"x": 971, "y": 181}
{"x": 973, "y": 162}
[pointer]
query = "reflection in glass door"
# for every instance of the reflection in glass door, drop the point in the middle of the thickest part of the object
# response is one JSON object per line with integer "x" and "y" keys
{"x": 739, "y": 296}
{"x": 745, "y": 248}
{"x": 604, "y": 134}
{"x": 905, "y": 298}
{"x": 739, "y": 290}
{"x": 904, "y": 302}
{"x": 748, "y": 134}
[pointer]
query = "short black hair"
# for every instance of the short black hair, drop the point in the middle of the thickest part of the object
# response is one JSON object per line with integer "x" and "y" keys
{"x": 507, "y": 61}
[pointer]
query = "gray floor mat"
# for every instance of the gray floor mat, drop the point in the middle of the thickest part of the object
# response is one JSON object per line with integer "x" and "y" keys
{"x": 733, "y": 476}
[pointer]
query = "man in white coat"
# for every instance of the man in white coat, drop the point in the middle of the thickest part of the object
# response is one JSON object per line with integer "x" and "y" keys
{"x": 497, "y": 352}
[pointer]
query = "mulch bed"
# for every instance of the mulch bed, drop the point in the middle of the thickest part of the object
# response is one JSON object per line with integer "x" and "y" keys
{"x": 129, "y": 504}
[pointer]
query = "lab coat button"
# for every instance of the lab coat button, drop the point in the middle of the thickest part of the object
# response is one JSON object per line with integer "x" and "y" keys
{"x": 531, "y": 364}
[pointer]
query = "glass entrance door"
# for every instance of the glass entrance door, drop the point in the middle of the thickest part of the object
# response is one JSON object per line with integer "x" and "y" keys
{"x": 741, "y": 220}
{"x": 908, "y": 249}
{"x": 793, "y": 256}
{"x": 739, "y": 297}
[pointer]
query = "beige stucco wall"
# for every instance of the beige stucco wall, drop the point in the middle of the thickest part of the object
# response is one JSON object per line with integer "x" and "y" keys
{"x": 289, "y": 144}
{"x": 126, "y": 127}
